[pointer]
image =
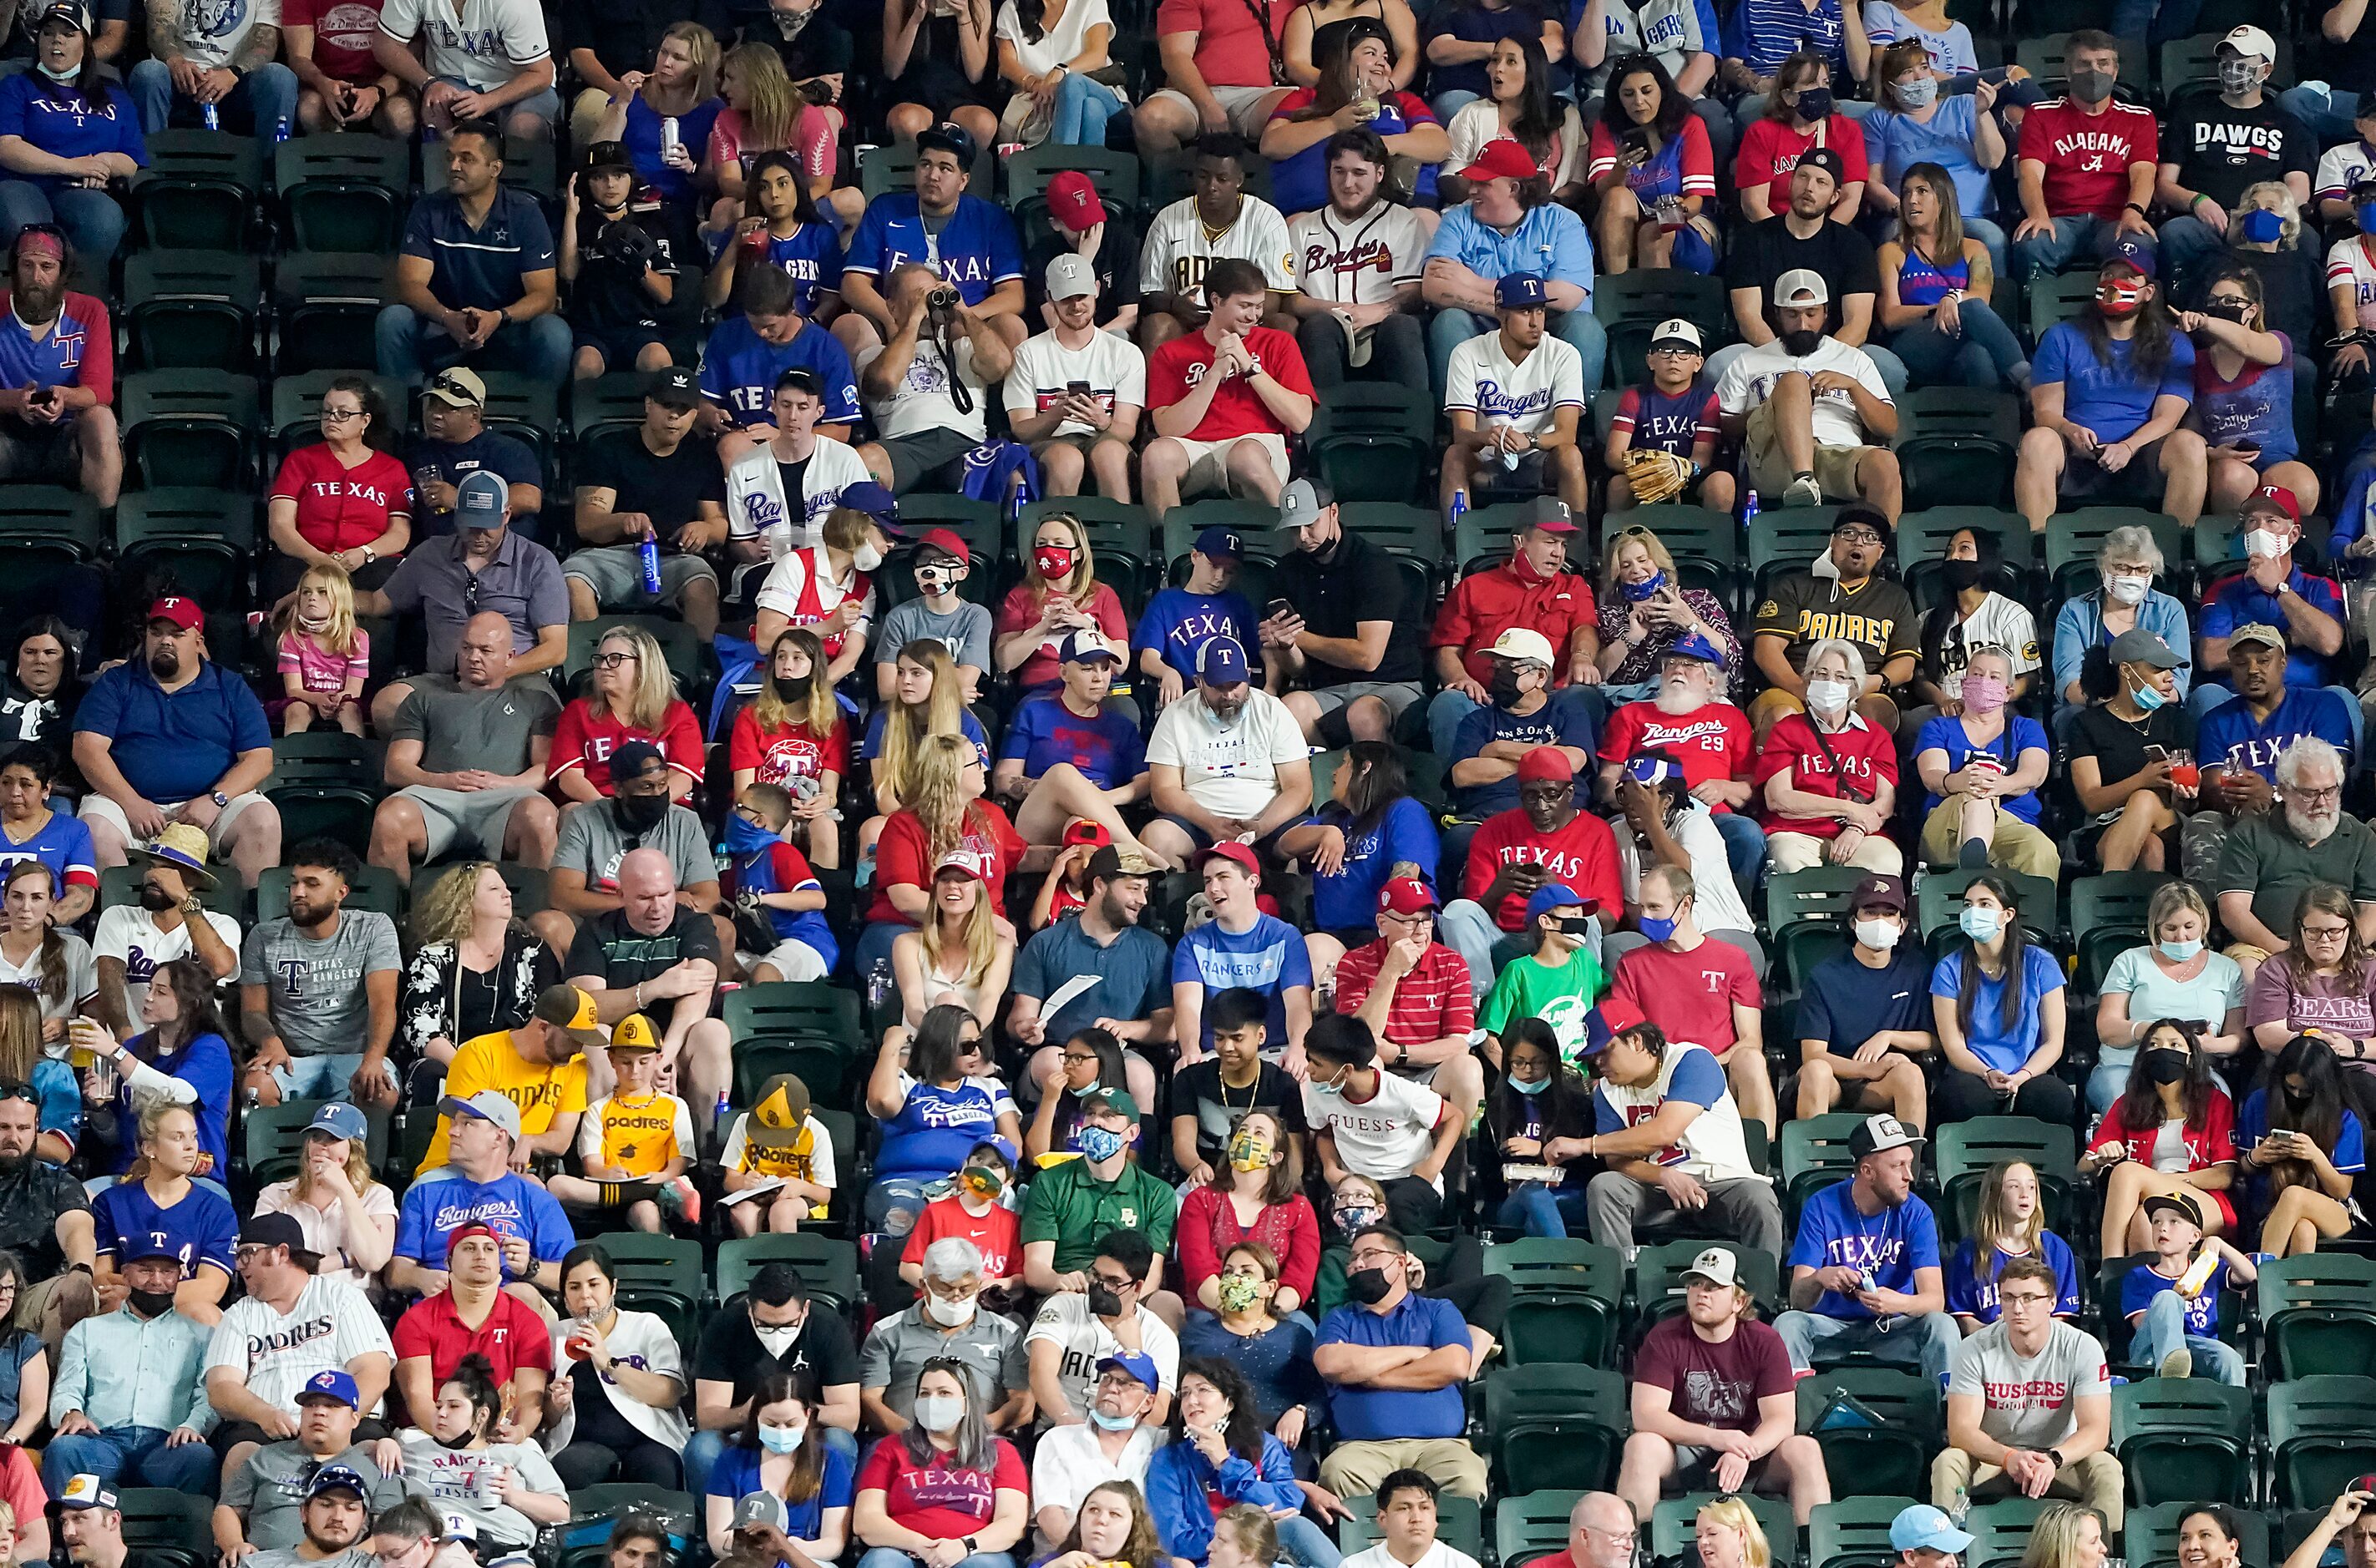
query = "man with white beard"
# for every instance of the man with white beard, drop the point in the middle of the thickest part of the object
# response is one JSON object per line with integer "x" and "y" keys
{"x": 1690, "y": 720}
{"x": 2272, "y": 857}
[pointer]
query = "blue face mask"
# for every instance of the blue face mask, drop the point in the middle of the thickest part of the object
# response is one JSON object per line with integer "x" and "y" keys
{"x": 2147, "y": 697}
{"x": 1980, "y": 924}
{"x": 1097, "y": 1144}
{"x": 780, "y": 1440}
{"x": 2261, "y": 225}
{"x": 1639, "y": 591}
{"x": 2366, "y": 213}
{"x": 745, "y": 837}
{"x": 1655, "y": 930}
{"x": 1530, "y": 1091}
{"x": 2179, "y": 952}
{"x": 1111, "y": 1423}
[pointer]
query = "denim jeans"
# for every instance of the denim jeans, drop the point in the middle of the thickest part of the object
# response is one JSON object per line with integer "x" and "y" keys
{"x": 1305, "y": 1544}
{"x": 93, "y": 220}
{"x": 2164, "y": 1330}
{"x": 2188, "y": 244}
{"x": 887, "y": 1557}
{"x": 703, "y": 1449}
{"x": 265, "y": 98}
{"x": 2108, "y": 1079}
{"x": 1541, "y": 1211}
{"x": 2156, "y": 21}
{"x": 1892, "y": 368}
{"x": 1083, "y": 107}
{"x": 407, "y": 346}
{"x": 129, "y": 1457}
{"x": 2330, "y": 115}
{"x": 1929, "y": 1341}
{"x": 1580, "y": 329}
{"x": 1744, "y": 846}
{"x": 1447, "y": 104}
{"x": 320, "y": 1078}
{"x": 2078, "y": 234}
{"x": 1985, "y": 354}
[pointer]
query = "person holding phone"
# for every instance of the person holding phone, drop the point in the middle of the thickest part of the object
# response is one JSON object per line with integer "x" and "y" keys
{"x": 1076, "y": 391}
{"x": 2244, "y": 394}
{"x": 2303, "y": 1140}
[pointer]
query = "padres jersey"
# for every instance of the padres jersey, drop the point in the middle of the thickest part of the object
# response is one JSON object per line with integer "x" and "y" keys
{"x": 1806, "y": 608}
{"x": 1358, "y": 262}
{"x": 809, "y": 1159}
{"x": 636, "y": 1136}
{"x": 1179, "y": 253}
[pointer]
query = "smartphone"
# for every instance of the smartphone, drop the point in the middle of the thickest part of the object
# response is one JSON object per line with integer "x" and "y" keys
{"x": 1277, "y": 607}
{"x": 1078, "y": 389}
{"x": 2156, "y": 754}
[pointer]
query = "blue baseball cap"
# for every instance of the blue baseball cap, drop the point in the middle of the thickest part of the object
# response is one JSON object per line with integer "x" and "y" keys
{"x": 1692, "y": 644}
{"x": 2133, "y": 252}
{"x": 1519, "y": 290}
{"x": 1556, "y": 895}
{"x": 1925, "y": 1528}
{"x": 1613, "y": 1017}
{"x": 340, "y": 1120}
{"x": 1139, "y": 1363}
{"x": 1000, "y": 1142}
{"x": 1653, "y": 768}
{"x": 332, "y": 1383}
{"x": 330, "y": 1477}
{"x": 873, "y": 499}
{"x": 1219, "y": 543}
{"x": 1221, "y": 661}
{"x": 482, "y": 499}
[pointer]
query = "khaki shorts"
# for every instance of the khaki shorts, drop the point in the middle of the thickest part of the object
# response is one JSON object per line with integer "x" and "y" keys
{"x": 1208, "y": 463}
{"x": 97, "y": 807}
{"x": 1835, "y": 467}
{"x": 1249, "y": 107}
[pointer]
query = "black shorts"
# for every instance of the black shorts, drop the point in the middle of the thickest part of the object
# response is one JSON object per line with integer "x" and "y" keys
{"x": 2139, "y": 480}
{"x": 620, "y": 345}
{"x": 39, "y": 454}
{"x": 937, "y": 456}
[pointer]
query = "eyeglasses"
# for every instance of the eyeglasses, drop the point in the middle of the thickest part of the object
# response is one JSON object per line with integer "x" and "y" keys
{"x": 2324, "y": 932}
{"x": 1369, "y": 1256}
{"x": 613, "y": 660}
{"x": 1857, "y": 535}
{"x": 1115, "y": 1282}
{"x": 1071, "y": 1057}
{"x": 2022, "y": 1298}
{"x": 1668, "y": 351}
{"x": 19, "y": 1091}
{"x": 444, "y": 381}
{"x": 2301, "y": 792}
{"x": 340, "y": 416}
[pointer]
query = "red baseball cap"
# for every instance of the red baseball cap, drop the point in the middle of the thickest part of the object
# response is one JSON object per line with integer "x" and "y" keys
{"x": 2275, "y": 495}
{"x": 1502, "y": 160}
{"x": 947, "y": 543}
{"x": 1081, "y": 830}
{"x": 1545, "y": 762}
{"x": 1073, "y": 202}
{"x": 473, "y": 1228}
{"x": 1241, "y": 855}
{"x": 1406, "y": 895}
{"x": 181, "y": 611}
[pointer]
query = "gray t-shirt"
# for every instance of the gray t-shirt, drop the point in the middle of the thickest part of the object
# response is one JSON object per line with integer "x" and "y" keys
{"x": 967, "y": 631}
{"x": 461, "y": 1480}
{"x": 897, "y": 1347}
{"x": 270, "y": 1491}
{"x": 315, "y": 988}
{"x": 461, "y": 729}
{"x": 593, "y": 842}
{"x": 353, "y": 1557}
{"x": 2029, "y": 1404}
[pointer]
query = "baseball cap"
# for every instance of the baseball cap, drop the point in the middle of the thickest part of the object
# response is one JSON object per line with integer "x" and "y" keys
{"x": 1524, "y": 643}
{"x": 2249, "y": 39}
{"x": 2257, "y": 632}
{"x": 1695, "y": 645}
{"x": 1546, "y": 764}
{"x": 1114, "y": 1099}
{"x": 332, "y": 1383}
{"x": 965, "y": 863}
{"x": 71, "y": 12}
{"x": 631, "y": 759}
{"x": 1239, "y": 855}
{"x": 2132, "y": 252}
{"x": 1801, "y": 280}
{"x": 873, "y": 499}
{"x": 1675, "y": 329}
{"x": 1502, "y": 158}
{"x": 635, "y": 1032}
{"x": 1605, "y": 1023}
{"x": 1300, "y": 501}
{"x": 178, "y": 609}
{"x": 1556, "y": 895}
{"x": 1716, "y": 1265}
{"x": 1112, "y": 861}
{"x": 762, "y": 1508}
{"x": 457, "y": 387}
{"x": 1406, "y": 895}
{"x": 331, "y": 1478}
{"x": 1223, "y": 544}
{"x": 1828, "y": 160}
{"x": 1139, "y": 1363}
{"x": 481, "y": 498}
{"x": 1548, "y": 513}
{"x": 1221, "y": 661}
{"x": 2273, "y": 497}
{"x": 2138, "y": 645}
{"x": 1519, "y": 290}
{"x": 1654, "y": 769}
{"x": 1877, "y": 1134}
{"x": 340, "y": 1120}
{"x": 1862, "y": 513}
{"x": 487, "y": 1105}
{"x": 673, "y": 387}
{"x": 277, "y": 1230}
{"x": 470, "y": 1227}
{"x": 1925, "y": 1528}
{"x": 1073, "y": 202}
{"x": 947, "y": 543}
{"x": 151, "y": 1245}
{"x": 950, "y": 136}
{"x": 999, "y": 1142}
{"x": 604, "y": 155}
{"x": 782, "y": 1113}
{"x": 572, "y": 1011}
{"x": 1879, "y": 889}
{"x": 1070, "y": 276}
{"x": 1085, "y": 643}
{"x": 1081, "y": 830}
{"x": 2165, "y": 1202}
{"x": 87, "y": 1490}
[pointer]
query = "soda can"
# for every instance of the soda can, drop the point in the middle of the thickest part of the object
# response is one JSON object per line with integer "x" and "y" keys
{"x": 672, "y": 138}
{"x": 650, "y": 552}
{"x": 213, "y": 118}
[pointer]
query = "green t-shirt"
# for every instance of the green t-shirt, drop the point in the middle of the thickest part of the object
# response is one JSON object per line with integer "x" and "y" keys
{"x": 1560, "y": 997}
{"x": 1073, "y": 1209}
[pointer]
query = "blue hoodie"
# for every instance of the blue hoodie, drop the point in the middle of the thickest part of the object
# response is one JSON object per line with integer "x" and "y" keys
{"x": 1180, "y": 1479}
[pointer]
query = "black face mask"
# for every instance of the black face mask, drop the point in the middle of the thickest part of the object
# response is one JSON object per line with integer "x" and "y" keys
{"x": 1368, "y": 1286}
{"x": 151, "y": 1303}
{"x": 2228, "y": 310}
{"x": 2165, "y": 1066}
{"x": 1799, "y": 344}
{"x": 641, "y": 814}
{"x": 155, "y": 898}
{"x": 1961, "y": 575}
{"x": 1104, "y": 1301}
{"x": 1503, "y": 688}
{"x": 1576, "y": 925}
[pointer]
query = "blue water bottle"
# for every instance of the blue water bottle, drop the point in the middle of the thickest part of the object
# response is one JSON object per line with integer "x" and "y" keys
{"x": 214, "y": 117}
{"x": 1459, "y": 506}
{"x": 650, "y": 551}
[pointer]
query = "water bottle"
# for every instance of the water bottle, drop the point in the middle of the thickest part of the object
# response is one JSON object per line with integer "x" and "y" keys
{"x": 879, "y": 985}
{"x": 649, "y": 552}
{"x": 1961, "y": 1507}
{"x": 725, "y": 1109}
{"x": 1748, "y": 504}
{"x": 1461, "y": 506}
{"x": 280, "y": 130}
{"x": 213, "y": 118}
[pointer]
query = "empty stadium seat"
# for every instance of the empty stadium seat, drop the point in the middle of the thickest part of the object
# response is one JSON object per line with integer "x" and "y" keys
{"x": 191, "y": 309}
{"x": 1853, "y": 1532}
{"x": 1892, "y": 1457}
{"x": 197, "y": 191}
{"x": 2317, "y": 1313}
{"x": 1563, "y": 1299}
{"x": 2182, "y": 1440}
{"x": 190, "y": 428}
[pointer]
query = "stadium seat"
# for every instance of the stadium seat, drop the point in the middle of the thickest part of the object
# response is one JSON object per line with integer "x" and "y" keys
{"x": 585, "y": 1540}
{"x": 2189, "y": 67}
{"x": 530, "y": 884}
{"x": 2108, "y": 918}
{"x": 1672, "y": 1525}
{"x": 1531, "y": 1526}
{"x": 197, "y": 191}
{"x": 274, "y": 1137}
{"x": 1999, "y": 1531}
{"x": 1115, "y": 174}
{"x": 663, "y": 1275}
{"x": 342, "y": 193}
{"x": 2317, "y": 1313}
{"x": 811, "y": 1028}
{"x": 1939, "y": 904}
{"x": 612, "y": 401}
{"x": 373, "y": 888}
{"x": 1808, "y": 913}
{"x": 1956, "y": 447}
{"x": 1922, "y": 543}
{"x": 1706, "y": 543}
{"x": 2072, "y": 539}
{"x": 1659, "y": 1278}
{"x": 678, "y": 644}
{"x": 1372, "y": 440}
{"x": 1783, "y": 540}
{"x": 196, "y": 541}
{"x": 532, "y": 166}
{"x": 1632, "y": 305}
{"x": 47, "y": 532}
{"x": 1166, "y": 177}
{"x": 2181, "y": 1439}
{"x": 1966, "y": 1151}
{"x": 892, "y": 167}
{"x": 190, "y": 427}
{"x": 828, "y": 1266}
{"x": 1893, "y": 1456}
{"x": 327, "y": 306}
{"x": 2319, "y": 1432}
{"x": 528, "y": 411}
{"x": 296, "y": 408}
{"x": 167, "y": 1528}
{"x": 2149, "y": 1533}
{"x": 191, "y": 309}
{"x": 1564, "y": 1296}
{"x": 1853, "y": 1532}
{"x": 326, "y": 784}
{"x": 2056, "y": 297}
{"x": 1459, "y": 1523}
{"x": 1120, "y": 536}
{"x": 1815, "y": 1154}
{"x": 1555, "y": 1428}
{"x": 2047, "y": 59}
{"x": 121, "y": 884}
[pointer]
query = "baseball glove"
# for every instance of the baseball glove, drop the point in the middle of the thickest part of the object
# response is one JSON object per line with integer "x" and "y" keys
{"x": 1656, "y": 476}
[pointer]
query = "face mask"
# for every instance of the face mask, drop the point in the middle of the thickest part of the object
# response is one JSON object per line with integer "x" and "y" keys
{"x": 1530, "y": 1091}
{"x": 780, "y": 1440}
{"x": 2238, "y": 78}
{"x": 1799, "y": 344}
{"x": 1575, "y": 925}
{"x": 745, "y": 837}
{"x": 155, "y": 899}
{"x": 2366, "y": 213}
{"x": 2091, "y": 86}
{"x": 788, "y": 690}
{"x": 948, "y": 1314}
{"x": 1827, "y": 696}
{"x": 151, "y": 1303}
{"x": 1919, "y": 93}
{"x": 2264, "y": 544}
{"x": 2179, "y": 952}
{"x": 1096, "y": 1144}
{"x": 982, "y": 1181}
{"x": 2120, "y": 298}
{"x": 1104, "y": 1300}
{"x": 1240, "y": 1292}
{"x": 1368, "y": 1286}
{"x": 2237, "y": 311}
{"x": 1111, "y": 1423}
{"x": 1961, "y": 573}
{"x": 939, "y": 1413}
{"x": 1350, "y": 1218}
{"x": 2127, "y": 589}
{"x": 2147, "y": 697}
{"x": 1879, "y": 935}
{"x": 1053, "y": 560}
{"x": 932, "y": 579}
{"x": 64, "y": 77}
{"x": 1979, "y": 924}
{"x": 1983, "y": 694}
{"x": 776, "y": 1338}
{"x": 1640, "y": 592}
{"x": 1504, "y": 687}
{"x": 1657, "y": 930}
{"x": 1815, "y": 103}
{"x": 641, "y": 814}
{"x": 2165, "y": 1066}
{"x": 1249, "y": 1154}
{"x": 865, "y": 558}
{"x": 2260, "y": 226}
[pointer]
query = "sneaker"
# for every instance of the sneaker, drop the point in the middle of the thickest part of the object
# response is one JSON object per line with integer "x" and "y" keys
{"x": 2178, "y": 1363}
{"x": 680, "y": 1196}
{"x": 1803, "y": 491}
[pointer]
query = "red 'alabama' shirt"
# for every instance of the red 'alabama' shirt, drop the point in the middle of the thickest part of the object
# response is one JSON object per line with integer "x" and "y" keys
{"x": 2087, "y": 156}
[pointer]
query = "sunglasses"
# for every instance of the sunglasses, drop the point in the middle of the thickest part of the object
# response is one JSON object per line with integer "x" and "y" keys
{"x": 444, "y": 381}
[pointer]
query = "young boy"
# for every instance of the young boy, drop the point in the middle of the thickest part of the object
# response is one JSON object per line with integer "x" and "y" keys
{"x": 1558, "y": 982}
{"x": 778, "y": 1141}
{"x": 776, "y": 896}
{"x": 1676, "y": 414}
{"x": 980, "y": 1208}
{"x": 2174, "y": 1330}
{"x": 1407, "y": 1523}
{"x": 939, "y": 613}
{"x": 634, "y": 1144}
{"x": 1179, "y": 620}
{"x": 1210, "y": 1096}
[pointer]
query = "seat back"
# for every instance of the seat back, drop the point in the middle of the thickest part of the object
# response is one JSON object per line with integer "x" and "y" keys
{"x": 2182, "y": 1440}
{"x": 2318, "y": 1313}
{"x": 2149, "y": 1534}
{"x": 2072, "y": 539}
{"x": 372, "y": 888}
{"x": 1531, "y": 1526}
{"x": 1815, "y": 1153}
{"x": 1672, "y": 1523}
{"x": 1854, "y": 1532}
{"x": 828, "y": 1266}
{"x": 1894, "y": 1456}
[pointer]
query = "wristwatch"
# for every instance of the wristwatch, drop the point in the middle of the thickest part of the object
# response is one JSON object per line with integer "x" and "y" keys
{"x": 218, "y": 798}
{"x": 2056, "y": 1454}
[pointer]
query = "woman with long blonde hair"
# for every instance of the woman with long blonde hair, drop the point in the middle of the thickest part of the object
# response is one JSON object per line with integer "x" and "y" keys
{"x": 1728, "y": 1536}
{"x": 945, "y": 814}
{"x": 793, "y": 729}
{"x": 682, "y": 87}
{"x": 766, "y": 112}
{"x": 160, "y": 1185}
{"x": 348, "y": 1219}
{"x": 954, "y": 956}
{"x": 57, "y": 1093}
{"x": 927, "y": 699}
{"x": 477, "y": 968}
{"x": 1060, "y": 593}
{"x": 633, "y": 697}
{"x": 2067, "y": 1535}
{"x": 2012, "y": 1223}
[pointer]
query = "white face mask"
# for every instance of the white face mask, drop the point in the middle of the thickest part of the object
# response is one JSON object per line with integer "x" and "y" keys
{"x": 948, "y": 1314}
{"x": 1827, "y": 696}
{"x": 866, "y": 557}
{"x": 776, "y": 1338}
{"x": 1879, "y": 935}
{"x": 2261, "y": 542}
{"x": 2128, "y": 590}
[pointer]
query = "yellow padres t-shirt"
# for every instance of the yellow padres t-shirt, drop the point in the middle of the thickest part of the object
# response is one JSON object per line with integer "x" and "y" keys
{"x": 492, "y": 1062}
{"x": 639, "y": 1136}
{"x": 808, "y": 1159}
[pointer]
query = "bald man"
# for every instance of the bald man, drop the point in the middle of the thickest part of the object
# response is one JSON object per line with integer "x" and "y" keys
{"x": 1600, "y": 1530}
{"x": 653, "y": 954}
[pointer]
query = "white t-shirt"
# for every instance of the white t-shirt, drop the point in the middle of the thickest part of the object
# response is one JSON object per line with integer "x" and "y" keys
{"x": 212, "y": 32}
{"x": 1748, "y": 381}
{"x": 274, "y": 1352}
{"x": 1177, "y": 252}
{"x": 128, "y": 933}
{"x": 756, "y": 505}
{"x": 492, "y": 42}
{"x": 1480, "y": 122}
{"x": 1070, "y": 1460}
{"x": 1359, "y": 262}
{"x": 1483, "y": 380}
{"x": 1717, "y": 900}
{"x": 82, "y": 977}
{"x": 2006, "y": 623}
{"x": 1065, "y": 1318}
{"x": 1232, "y": 771}
{"x": 1438, "y": 1556}
{"x": 922, "y": 402}
{"x": 782, "y": 591}
{"x": 2347, "y": 262}
{"x": 1384, "y": 1136}
{"x": 1711, "y": 1148}
{"x": 1060, "y": 44}
{"x": 1044, "y": 370}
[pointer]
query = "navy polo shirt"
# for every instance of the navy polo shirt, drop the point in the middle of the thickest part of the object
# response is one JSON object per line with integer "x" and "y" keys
{"x": 2240, "y": 601}
{"x": 171, "y": 746}
{"x": 450, "y": 460}
{"x": 480, "y": 268}
{"x": 1378, "y": 1415}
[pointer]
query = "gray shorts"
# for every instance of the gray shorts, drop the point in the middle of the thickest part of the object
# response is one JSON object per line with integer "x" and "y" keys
{"x": 615, "y": 573}
{"x": 1249, "y": 107}
{"x": 470, "y": 817}
{"x": 915, "y": 458}
{"x": 1332, "y": 701}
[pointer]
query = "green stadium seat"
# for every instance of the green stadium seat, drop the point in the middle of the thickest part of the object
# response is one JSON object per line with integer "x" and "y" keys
{"x": 828, "y": 1266}
{"x": 2181, "y": 1439}
{"x": 533, "y": 166}
{"x": 296, "y": 406}
{"x": 1966, "y": 1151}
{"x": 197, "y": 192}
{"x": 191, "y": 309}
{"x": 530, "y": 884}
{"x": 196, "y": 541}
{"x": 1894, "y": 1457}
{"x": 1167, "y": 177}
{"x": 2189, "y": 67}
{"x": 1531, "y": 1526}
{"x": 1252, "y": 521}
{"x": 51, "y": 522}
{"x": 342, "y": 193}
{"x": 1854, "y": 1531}
{"x": 1672, "y": 1525}
{"x": 1999, "y": 1531}
{"x": 2320, "y": 1433}
{"x": 1121, "y": 538}
{"x": 811, "y": 1028}
{"x": 326, "y": 783}
{"x": 660, "y": 1275}
{"x": 1923, "y": 539}
{"x": 1808, "y": 913}
{"x": 678, "y": 644}
{"x": 375, "y": 888}
{"x": 1632, "y": 305}
{"x": 121, "y": 884}
{"x": 2073, "y": 537}
{"x": 1372, "y": 440}
{"x": 191, "y": 427}
{"x": 528, "y": 411}
{"x": 2149, "y": 1533}
{"x": 2056, "y": 297}
{"x": 328, "y": 303}
{"x": 166, "y": 1528}
{"x": 1815, "y": 1153}
{"x": 616, "y": 399}
{"x": 273, "y": 1137}
{"x": 1956, "y": 447}
{"x": 1564, "y": 1296}
{"x": 1115, "y": 174}
{"x": 1555, "y": 1428}
{"x": 2317, "y": 1313}
{"x": 1459, "y": 1523}
{"x": 2048, "y": 58}
{"x": 2108, "y": 918}
{"x": 1783, "y": 540}
{"x": 1938, "y": 904}
{"x": 1658, "y": 1277}
{"x": 892, "y": 167}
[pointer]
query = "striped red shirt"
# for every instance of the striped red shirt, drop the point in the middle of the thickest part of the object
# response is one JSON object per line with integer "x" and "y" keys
{"x": 1432, "y": 1002}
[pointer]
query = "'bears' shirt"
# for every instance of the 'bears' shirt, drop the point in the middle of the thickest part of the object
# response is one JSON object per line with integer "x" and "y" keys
{"x": 974, "y": 249}
{"x": 2087, "y": 156}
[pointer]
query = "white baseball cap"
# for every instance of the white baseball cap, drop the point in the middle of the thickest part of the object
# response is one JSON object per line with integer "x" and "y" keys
{"x": 1801, "y": 280}
{"x": 1070, "y": 276}
{"x": 2249, "y": 39}
{"x": 1675, "y": 329}
{"x": 1716, "y": 1265}
{"x": 1522, "y": 643}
